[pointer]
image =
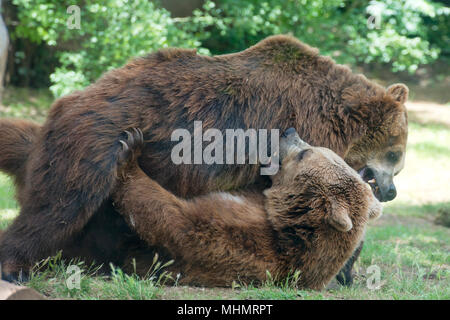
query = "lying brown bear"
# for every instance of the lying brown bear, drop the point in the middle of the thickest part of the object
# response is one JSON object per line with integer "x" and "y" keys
{"x": 311, "y": 219}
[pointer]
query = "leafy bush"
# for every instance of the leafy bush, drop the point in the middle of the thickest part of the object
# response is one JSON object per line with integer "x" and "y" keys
{"x": 397, "y": 34}
{"x": 404, "y": 35}
{"x": 111, "y": 32}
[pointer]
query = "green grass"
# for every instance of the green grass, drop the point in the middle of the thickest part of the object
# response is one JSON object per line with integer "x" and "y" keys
{"x": 51, "y": 278}
{"x": 411, "y": 250}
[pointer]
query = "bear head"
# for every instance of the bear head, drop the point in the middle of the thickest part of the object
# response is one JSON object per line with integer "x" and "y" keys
{"x": 380, "y": 154}
{"x": 316, "y": 181}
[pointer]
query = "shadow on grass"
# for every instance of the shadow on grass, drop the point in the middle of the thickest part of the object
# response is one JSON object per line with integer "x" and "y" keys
{"x": 417, "y": 118}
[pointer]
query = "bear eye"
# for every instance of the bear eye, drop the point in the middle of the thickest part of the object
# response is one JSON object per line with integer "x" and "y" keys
{"x": 302, "y": 154}
{"x": 392, "y": 156}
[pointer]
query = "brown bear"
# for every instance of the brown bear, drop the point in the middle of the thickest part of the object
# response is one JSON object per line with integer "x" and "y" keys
{"x": 310, "y": 220}
{"x": 278, "y": 83}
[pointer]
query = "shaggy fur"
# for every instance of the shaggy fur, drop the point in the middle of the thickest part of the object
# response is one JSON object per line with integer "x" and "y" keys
{"x": 311, "y": 219}
{"x": 278, "y": 83}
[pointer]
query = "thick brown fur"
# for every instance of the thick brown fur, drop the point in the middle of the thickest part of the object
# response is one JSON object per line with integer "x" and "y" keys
{"x": 105, "y": 239}
{"x": 311, "y": 219}
{"x": 278, "y": 83}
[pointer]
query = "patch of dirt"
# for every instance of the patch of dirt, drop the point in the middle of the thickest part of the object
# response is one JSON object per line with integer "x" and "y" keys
{"x": 196, "y": 293}
{"x": 428, "y": 112}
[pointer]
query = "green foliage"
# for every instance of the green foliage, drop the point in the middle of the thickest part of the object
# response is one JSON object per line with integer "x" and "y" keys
{"x": 111, "y": 32}
{"x": 403, "y": 38}
{"x": 404, "y": 35}
{"x": 234, "y": 24}
{"x": 399, "y": 34}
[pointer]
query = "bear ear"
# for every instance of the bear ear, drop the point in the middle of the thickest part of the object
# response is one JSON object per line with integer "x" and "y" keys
{"x": 399, "y": 91}
{"x": 339, "y": 218}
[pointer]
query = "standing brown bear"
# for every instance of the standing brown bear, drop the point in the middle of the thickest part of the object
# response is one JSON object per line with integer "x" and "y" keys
{"x": 310, "y": 220}
{"x": 278, "y": 83}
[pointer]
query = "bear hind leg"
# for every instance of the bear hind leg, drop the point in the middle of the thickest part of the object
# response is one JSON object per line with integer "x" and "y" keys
{"x": 68, "y": 180}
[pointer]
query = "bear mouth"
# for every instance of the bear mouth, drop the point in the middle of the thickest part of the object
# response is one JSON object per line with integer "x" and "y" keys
{"x": 368, "y": 176}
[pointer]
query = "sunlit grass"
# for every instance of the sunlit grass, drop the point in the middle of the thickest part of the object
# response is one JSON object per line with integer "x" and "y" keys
{"x": 425, "y": 179}
{"x": 8, "y": 205}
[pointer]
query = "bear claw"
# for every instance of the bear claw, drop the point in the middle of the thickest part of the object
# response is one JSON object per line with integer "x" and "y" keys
{"x": 131, "y": 145}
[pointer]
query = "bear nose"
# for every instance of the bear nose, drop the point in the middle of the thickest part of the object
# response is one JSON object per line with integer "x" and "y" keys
{"x": 391, "y": 193}
{"x": 288, "y": 132}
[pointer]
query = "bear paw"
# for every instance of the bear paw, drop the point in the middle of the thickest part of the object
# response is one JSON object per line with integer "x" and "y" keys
{"x": 131, "y": 146}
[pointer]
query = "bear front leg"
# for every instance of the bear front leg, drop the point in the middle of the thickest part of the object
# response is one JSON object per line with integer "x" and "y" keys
{"x": 147, "y": 207}
{"x": 345, "y": 276}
